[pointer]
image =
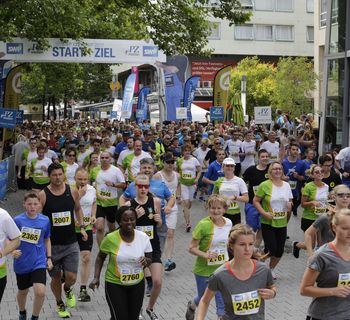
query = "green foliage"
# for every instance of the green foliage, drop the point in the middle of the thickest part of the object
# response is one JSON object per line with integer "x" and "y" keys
{"x": 286, "y": 86}
{"x": 295, "y": 81}
{"x": 260, "y": 82}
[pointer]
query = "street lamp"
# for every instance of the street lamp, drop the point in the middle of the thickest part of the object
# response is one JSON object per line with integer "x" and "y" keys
{"x": 244, "y": 96}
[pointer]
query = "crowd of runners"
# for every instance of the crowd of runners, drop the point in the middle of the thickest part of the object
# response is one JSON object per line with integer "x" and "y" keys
{"x": 124, "y": 185}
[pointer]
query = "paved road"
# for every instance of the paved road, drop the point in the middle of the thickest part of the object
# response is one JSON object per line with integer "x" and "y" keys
{"x": 179, "y": 284}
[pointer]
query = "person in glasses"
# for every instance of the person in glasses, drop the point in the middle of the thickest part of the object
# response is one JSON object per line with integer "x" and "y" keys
{"x": 233, "y": 189}
{"x": 214, "y": 170}
{"x": 326, "y": 278}
{"x": 314, "y": 201}
{"x": 148, "y": 219}
{"x": 70, "y": 166}
{"x": 330, "y": 176}
{"x": 172, "y": 180}
{"x": 211, "y": 155}
{"x": 273, "y": 200}
{"x": 321, "y": 228}
{"x": 107, "y": 179}
{"x": 82, "y": 154}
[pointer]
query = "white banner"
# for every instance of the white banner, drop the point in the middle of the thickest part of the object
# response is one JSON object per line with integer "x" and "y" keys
{"x": 262, "y": 115}
{"x": 102, "y": 51}
{"x": 181, "y": 113}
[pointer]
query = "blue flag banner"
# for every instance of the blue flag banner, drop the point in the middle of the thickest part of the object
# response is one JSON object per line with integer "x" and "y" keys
{"x": 217, "y": 113}
{"x": 189, "y": 92}
{"x": 5, "y": 67}
{"x": 8, "y": 118}
{"x": 142, "y": 105}
{"x": 127, "y": 97}
{"x": 3, "y": 178}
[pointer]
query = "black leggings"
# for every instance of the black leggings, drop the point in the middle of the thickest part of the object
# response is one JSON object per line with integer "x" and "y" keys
{"x": 274, "y": 239}
{"x": 2, "y": 286}
{"x": 125, "y": 302}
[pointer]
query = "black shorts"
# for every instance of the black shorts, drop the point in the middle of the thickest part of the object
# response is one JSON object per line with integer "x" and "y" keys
{"x": 26, "y": 280}
{"x": 39, "y": 186}
{"x": 108, "y": 213}
{"x": 85, "y": 245}
{"x": 305, "y": 224}
{"x": 156, "y": 257}
{"x": 235, "y": 218}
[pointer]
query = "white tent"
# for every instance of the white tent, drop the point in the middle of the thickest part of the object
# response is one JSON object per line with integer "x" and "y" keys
{"x": 198, "y": 114}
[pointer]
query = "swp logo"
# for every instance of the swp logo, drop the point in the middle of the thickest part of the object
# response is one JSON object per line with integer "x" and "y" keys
{"x": 150, "y": 51}
{"x": 14, "y": 48}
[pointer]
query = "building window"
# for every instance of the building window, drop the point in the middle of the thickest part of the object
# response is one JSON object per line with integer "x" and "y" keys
{"x": 310, "y": 34}
{"x": 284, "y": 33}
{"x": 263, "y": 32}
{"x": 247, "y": 4}
{"x": 310, "y": 6}
{"x": 244, "y": 32}
{"x": 215, "y": 30}
{"x": 285, "y": 5}
{"x": 265, "y": 5}
{"x": 323, "y": 13}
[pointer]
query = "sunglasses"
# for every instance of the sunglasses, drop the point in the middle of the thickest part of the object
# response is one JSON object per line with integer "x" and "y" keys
{"x": 170, "y": 162}
{"x": 104, "y": 157}
{"x": 71, "y": 155}
{"x": 229, "y": 165}
{"x": 343, "y": 195}
{"x": 142, "y": 186}
{"x": 217, "y": 142}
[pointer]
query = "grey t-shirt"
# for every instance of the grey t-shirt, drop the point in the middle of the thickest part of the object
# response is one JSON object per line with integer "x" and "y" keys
{"x": 333, "y": 271}
{"x": 323, "y": 226}
{"x": 240, "y": 295}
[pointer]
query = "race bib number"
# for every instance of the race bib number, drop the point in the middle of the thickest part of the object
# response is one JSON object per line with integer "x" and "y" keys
{"x": 146, "y": 229}
{"x": 320, "y": 210}
{"x": 279, "y": 214}
{"x": 87, "y": 220}
{"x": 233, "y": 205}
{"x": 105, "y": 193}
{"x": 246, "y": 303}
{"x": 60, "y": 219}
{"x": 187, "y": 175}
{"x": 293, "y": 184}
{"x": 343, "y": 279}
{"x": 30, "y": 235}
{"x": 131, "y": 276}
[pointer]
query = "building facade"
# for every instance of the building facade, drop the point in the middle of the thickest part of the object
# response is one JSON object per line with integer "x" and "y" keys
{"x": 333, "y": 62}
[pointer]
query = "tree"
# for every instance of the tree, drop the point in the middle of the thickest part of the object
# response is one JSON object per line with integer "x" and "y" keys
{"x": 176, "y": 26}
{"x": 260, "y": 82}
{"x": 294, "y": 82}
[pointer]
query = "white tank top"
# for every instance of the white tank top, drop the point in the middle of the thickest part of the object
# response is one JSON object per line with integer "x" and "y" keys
{"x": 172, "y": 185}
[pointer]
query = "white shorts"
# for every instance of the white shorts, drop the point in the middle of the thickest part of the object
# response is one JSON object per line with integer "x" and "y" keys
{"x": 187, "y": 192}
{"x": 171, "y": 218}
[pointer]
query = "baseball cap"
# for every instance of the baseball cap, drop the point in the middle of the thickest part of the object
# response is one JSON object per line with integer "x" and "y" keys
{"x": 229, "y": 161}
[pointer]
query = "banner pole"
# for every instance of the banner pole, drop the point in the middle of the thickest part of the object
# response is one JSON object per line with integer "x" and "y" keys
{"x": 2, "y": 143}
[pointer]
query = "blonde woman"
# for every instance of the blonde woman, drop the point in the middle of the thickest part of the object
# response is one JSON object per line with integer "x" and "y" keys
{"x": 273, "y": 200}
{"x": 326, "y": 278}
{"x": 244, "y": 282}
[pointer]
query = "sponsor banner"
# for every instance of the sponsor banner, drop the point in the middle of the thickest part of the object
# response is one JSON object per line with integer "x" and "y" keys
{"x": 189, "y": 92}
{"x": 262, "y": 115}
{"x": 217, "y": 113}
{"x": 206, "y": 69}
{"x": 101, "y": 51}
{"x": 128, "y": 96}
{"x": 113, "y": 115}
{"x": 13, "y": 88}
{"x": 174, "y": 79}
{"x": 221, "y": 87}
{"x": 4, "y": 164}
{"x": 19, "y": 117}
{"x": 142, "y": 105}
{"x": 8, "y": 118}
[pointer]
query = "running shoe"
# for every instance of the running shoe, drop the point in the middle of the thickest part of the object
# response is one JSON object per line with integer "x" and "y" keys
{"x": 62, "y": 311}
{"x": 296, "y": 250}
{"x": 188, "y": 227}
{"x": 169, "y": 265}
{"x": 23, "y": 316}
{"x": 151, "y": 314}
{"x": 84, "y": 296}
{"x": 70, "y": 298}
{"x": 190, "y": 311}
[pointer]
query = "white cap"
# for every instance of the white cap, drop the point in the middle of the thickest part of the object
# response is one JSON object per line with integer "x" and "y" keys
{"x": 229, "y": 161}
